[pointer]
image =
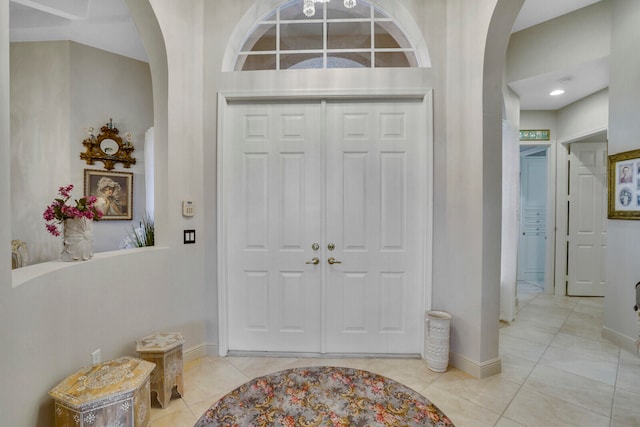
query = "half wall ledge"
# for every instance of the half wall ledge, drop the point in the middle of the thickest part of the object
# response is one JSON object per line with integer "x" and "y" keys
{"x": 24, "y": 275}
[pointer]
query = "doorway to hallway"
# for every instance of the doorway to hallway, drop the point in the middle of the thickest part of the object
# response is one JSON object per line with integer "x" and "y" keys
{"x": 533, "y": 215}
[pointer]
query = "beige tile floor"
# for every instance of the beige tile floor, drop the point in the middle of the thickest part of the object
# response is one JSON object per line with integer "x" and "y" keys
{"x": 556, "y": 371}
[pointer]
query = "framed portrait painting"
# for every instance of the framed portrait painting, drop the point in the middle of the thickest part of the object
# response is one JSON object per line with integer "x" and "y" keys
{"x": 624, "y": 185}
{"x": 114, "y": 191}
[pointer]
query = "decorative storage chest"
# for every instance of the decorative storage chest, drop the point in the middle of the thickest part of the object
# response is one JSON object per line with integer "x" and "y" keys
{"x": 112, "y": 393}
{"x": 165, "y": 350}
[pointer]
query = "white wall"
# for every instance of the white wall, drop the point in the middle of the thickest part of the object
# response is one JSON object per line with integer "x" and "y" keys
{"x": 107, "y": 86}
{"x": 52, "y": 321}
{"x": 563, "y": 42}
{"x": 510, "y": 205}
{"x": 7, "y": 361}
{"x": 52, "y": 315}
{"x": 622, "y": 263}
{"x": 541, "y": 119}
{"x": 467, "y": 266}
{"x": 40, "y": 143}
{"x": 588, "y": 116}
{"x": 59, "y": 90}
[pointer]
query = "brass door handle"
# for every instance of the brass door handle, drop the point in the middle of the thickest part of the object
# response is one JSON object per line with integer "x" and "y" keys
{"x": 332, "y": 260}
{"x": 314, "y": 261}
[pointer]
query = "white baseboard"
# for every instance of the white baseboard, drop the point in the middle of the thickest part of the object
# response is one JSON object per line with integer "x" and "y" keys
{"x": 620, "y": 340}
{"x": 478, "y": 370}
{"x": 475, "y": 369}
{"x": 198, "y": 351}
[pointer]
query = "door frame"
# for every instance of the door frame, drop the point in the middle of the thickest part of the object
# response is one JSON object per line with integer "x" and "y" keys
{"x": 224, "y": 98}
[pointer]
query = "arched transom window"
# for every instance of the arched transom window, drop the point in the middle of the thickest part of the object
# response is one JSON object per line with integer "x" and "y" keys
{"x": 334, "y": 37}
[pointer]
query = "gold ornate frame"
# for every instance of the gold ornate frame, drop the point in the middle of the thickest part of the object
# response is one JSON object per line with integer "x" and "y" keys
{"x": 117, "y": 206}
{"x": 623, "y": 176}
{"x": 108, "y": 148}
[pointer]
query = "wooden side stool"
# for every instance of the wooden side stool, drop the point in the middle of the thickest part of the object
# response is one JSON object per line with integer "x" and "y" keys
{"x": 112, "y": 393}
{"x": 165, "y": 350}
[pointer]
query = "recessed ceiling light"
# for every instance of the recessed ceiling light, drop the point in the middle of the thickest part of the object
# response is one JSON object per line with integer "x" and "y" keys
{"x": 556, "y": 92}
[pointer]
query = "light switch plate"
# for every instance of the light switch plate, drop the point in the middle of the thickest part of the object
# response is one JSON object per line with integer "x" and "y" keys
{"x": 189, "y": 236}
{"x": 96, "y": 357}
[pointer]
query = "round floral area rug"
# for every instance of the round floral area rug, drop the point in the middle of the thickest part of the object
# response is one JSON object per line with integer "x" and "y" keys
{"x": 323, "y": 396}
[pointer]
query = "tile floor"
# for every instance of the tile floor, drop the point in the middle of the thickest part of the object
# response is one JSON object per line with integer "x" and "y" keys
{"x": 556, "y": 371}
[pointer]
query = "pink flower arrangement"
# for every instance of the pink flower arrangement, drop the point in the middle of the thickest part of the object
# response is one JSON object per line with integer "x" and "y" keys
{"x": 59, "y": 211}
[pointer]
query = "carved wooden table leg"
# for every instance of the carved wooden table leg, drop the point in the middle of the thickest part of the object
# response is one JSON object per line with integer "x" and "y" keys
{"x": 165, "y": 350}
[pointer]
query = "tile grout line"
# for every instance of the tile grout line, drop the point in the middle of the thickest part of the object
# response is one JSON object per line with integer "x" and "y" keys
{"x": 502, "y": 415}
{"x": 573, "y": 310}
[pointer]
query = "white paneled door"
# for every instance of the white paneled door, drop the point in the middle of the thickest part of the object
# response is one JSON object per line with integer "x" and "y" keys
{"x": 325, "y": 211}
{"x": 587, "y": 219}
{"x": 375, "y": 218}
{"x": 533, "y": 207}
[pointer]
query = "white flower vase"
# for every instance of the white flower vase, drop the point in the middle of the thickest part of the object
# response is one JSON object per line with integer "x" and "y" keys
{"x": 438, "y": 325}
{"x": 77, "y": 239}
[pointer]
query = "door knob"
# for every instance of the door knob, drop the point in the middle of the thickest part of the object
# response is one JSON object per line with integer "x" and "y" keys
{"x": 314, "y": 261}
{"x": 332, "y": 260}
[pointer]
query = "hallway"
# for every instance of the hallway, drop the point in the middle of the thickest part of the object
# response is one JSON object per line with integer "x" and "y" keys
{"x": 556, "y": 371}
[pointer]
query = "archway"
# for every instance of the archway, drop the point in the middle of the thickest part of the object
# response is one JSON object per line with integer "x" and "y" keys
{"x": 153, "y": 41}
{"x": 496, "y": 133}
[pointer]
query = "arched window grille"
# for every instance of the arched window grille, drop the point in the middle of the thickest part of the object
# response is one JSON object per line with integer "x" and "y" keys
{"x": 335, "y": 37}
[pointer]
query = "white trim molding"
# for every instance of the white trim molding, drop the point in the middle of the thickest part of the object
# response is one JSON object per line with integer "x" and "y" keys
{"x": 479, "y": 370}
{"x": 622, "y": 341}
{"x": 397, "y": 12}
{"x": 192, "y": 353}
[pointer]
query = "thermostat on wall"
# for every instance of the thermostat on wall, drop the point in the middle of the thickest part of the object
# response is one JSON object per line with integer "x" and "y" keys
{"x": 188, "y": 208}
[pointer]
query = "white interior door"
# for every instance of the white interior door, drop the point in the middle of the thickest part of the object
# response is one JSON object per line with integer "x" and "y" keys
{"x": 587, "y": 219}
{"x": 350, "y": 176}
{"x": 533, "y": 207}
{"x": 375, "y": 219}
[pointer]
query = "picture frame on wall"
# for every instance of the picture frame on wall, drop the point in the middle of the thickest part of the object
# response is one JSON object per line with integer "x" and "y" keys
{"x": 114, "y": 191}
{"x": 623, "y": 175}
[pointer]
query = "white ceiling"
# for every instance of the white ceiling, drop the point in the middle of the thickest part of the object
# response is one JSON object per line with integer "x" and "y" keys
{"x": 534, "y": 12}
{"x": 578, "y": 81}
{"x": 103, "y": 24}
{"x": 107, "y": 25}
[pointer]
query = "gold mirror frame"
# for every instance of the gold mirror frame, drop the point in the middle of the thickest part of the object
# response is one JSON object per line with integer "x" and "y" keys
{"x": 624, "y": 189}
{"x": 96, "y": 150}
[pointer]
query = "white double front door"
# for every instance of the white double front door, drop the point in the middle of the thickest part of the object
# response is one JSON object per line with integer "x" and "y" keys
{"x": 325, "y": 219}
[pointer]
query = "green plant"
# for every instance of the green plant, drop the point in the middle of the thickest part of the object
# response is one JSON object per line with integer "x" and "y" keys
{"x": 144, "y": 234}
